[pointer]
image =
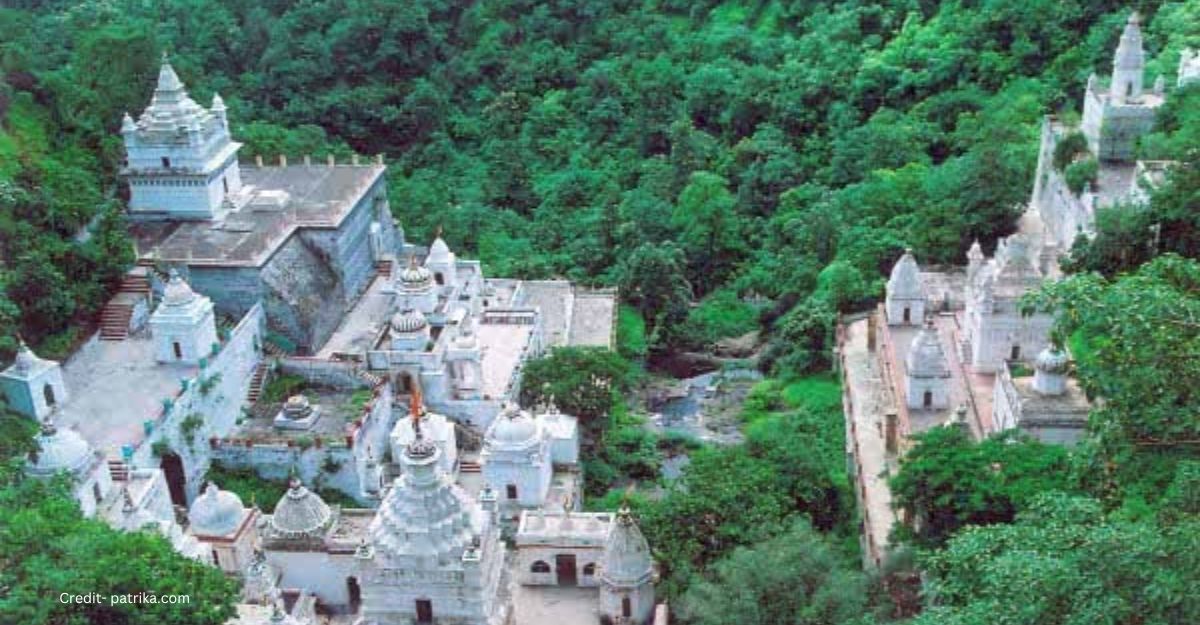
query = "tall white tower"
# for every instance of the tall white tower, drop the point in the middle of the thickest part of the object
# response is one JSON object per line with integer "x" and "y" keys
{"x": 180, "y": 160}
{"x": 432, "y": 556}
{"x": 905, "y": 302}
{"x": 627, "y": 577}
{"x": 1129, "y": 63}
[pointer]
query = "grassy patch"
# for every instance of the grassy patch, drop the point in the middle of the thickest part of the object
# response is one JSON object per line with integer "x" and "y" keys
{"x": 631, "y": 333}
{"x": 264, "y": 492}
{"x": 720, "y": 315}
{"x": 282, "y": 387}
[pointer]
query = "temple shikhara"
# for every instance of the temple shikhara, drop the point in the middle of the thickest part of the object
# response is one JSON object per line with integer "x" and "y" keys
{"x": 403, "y": 364}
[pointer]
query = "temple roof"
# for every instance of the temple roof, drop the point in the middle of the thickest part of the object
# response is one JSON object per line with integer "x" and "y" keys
{"x": 905, "y": 281}
{"x": 926, "y": 359}
{"x": 59, "y": 449}
{"x": 513, "y": 427}
{"x": 216, "y": 512}
{"x": 300, "y": 512}
{"x": 172, "y": 112}
{"x": 626, "y": 553}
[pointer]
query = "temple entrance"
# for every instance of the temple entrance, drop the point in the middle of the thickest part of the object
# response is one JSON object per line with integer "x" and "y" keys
{"x": 172, "y": 467}
{"x": 48, "y": 394}
{"x": 354, "y": 592}
{"x": 626, "y": 607}
{"x": 510, "y": 491}
{"x": 928, "y": 399}
{"x": 405, "y": 382}
{"x": 177, "y": 349}
{"x": 907, "y": 315}
{"x": 564, "y": 567}
{"x": 1016, "y": 353}
{"x": 424, "y": 611}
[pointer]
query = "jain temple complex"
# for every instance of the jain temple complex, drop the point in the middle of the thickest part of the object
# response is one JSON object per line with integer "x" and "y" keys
{"x": 465, "y": 506}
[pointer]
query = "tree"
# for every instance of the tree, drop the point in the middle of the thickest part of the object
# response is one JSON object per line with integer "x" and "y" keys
{"x": 74, "y": 554}
{"x": 1064, "y": 562}
{"x": 710, "y": 230}
{"x": 1136, "y": 344}
{"x": 796, "y": 578}
{"x": 585, "y": 382}
{"x": 947, "y": 481}
{"x": 653, "y": 279}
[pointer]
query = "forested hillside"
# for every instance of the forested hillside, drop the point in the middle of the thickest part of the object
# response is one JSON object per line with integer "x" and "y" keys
{"x": 787, "y": 150}
{"x": 731, "y": 166}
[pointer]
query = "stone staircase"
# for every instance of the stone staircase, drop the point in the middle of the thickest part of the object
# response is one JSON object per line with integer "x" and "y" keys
{"x": 384, "y": 267}
{"x": 257, "y": 382}
{"x": 114, "y": 318}
{"x": 118, "y": 470}
{"x": 467, "y": 466}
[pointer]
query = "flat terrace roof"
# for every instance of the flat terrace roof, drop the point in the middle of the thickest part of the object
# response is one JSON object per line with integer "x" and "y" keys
{"x": 273, "y": 203}
{"x": 114, "y": 387}
{"x": 592, "y": 320}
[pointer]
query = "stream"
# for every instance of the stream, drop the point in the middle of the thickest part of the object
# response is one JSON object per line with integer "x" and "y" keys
{"x": 705, "y": 407}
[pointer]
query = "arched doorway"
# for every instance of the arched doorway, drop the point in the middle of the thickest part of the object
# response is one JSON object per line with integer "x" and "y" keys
{"x": 172, "y": 467}
{"x": 48, "y": 394}
{"x": 564, "y": 568}
{"x": 405, "y": 382}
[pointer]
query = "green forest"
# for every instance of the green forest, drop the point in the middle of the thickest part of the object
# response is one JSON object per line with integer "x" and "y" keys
{"x": 731, "y": 167}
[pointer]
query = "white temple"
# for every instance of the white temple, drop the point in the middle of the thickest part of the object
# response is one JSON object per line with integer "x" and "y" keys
{"x": 180, "y": 160}
{"x": 433, "y": 554}
{"x": 218, "y": 520}
{"x": 927, "y": 375}
{"x": 33, "y": 386}
{"x": 905, "y": 302}
{"x": 183, "y": 326}
{"x": 520, "y": 452}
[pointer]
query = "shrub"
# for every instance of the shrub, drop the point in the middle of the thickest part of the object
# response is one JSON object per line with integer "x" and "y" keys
{"x": 1081, "y": 174}
{"x": 208, "y": 384}
{"x": 721, "y": 315}
{"x": 1068, "y": 148}
{"x": 282, "y": 387}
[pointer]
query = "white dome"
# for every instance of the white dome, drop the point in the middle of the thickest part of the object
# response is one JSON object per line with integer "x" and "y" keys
{"x": 58, "y": 450}
{"x": 300, "y": 511}
{"x": 905, "y": 281}
{"x": 1052, "y": 360}
{"x": 415, "y": 275}
{"x": 513, "y": 426}
{"x": 626, "y": 553}
{"x": 216, "y": 512}
{"x": 177, "y": 292}
{"x": 408, "y": 321}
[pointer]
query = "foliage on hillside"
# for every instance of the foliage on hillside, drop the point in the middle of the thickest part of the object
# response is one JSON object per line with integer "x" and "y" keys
{"x": 47, "y": 547}
{"x": 761, "y": 141}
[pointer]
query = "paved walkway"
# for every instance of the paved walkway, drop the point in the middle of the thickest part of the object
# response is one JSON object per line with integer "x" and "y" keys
{"x": 865, "y": 412}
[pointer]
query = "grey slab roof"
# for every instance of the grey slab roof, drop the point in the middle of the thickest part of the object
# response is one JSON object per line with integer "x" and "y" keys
{"x": 274, "y": 202}
{"x": 592, "y": 319}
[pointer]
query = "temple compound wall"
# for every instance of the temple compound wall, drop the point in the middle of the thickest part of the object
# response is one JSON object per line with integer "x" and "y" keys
{"x": 205, "y": 406}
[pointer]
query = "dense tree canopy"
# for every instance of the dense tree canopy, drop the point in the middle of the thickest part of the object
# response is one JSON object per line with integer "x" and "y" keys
{"x": 1064, "y": 561}
{"x": 762, "y": 141}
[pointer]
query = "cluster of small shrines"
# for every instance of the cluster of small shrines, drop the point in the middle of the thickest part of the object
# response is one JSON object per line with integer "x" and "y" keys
{"x": 238, "y": 262}
{"x": 958, "y": 345}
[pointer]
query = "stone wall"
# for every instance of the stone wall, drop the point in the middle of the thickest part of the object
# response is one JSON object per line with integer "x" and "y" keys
{"x": 329, "y": 462}
{"x": 216, "y": 401}
{"x": 322, "y": 372}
